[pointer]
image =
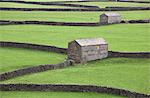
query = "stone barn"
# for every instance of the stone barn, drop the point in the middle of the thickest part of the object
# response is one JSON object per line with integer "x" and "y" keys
{"x": 110, "y": 18}
{"x": 83, "y": 50}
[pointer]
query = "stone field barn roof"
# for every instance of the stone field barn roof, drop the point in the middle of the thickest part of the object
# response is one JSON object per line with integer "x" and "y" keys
{"x": 89, "y": 42}
{"x": 111, "y": 14}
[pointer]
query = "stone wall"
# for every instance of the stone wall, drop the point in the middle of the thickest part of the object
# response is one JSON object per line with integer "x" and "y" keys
{"x": 125, "y": 8}
{"x": 9, "y": 22}
{"x": 71, "y": 88}
{"x": 51, "y": 3}
{"x": 58, "y": 2}
{"x": 35, "y": 69}
{"x": 75, "y": 9}
{"x": 64, "y": 50}
{"x": 136, "y": 21}
{"x": 74, "y": 51}
{"x": 134, "y": 1}
{"x": 33, "y": 46}
{"x": 129, "y": 54}
{"x": 41, "y": 68}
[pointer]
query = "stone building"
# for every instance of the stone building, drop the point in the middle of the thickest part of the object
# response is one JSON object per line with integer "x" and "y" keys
{"x": 83, "y": 50}
{"x": 110, "y": 18}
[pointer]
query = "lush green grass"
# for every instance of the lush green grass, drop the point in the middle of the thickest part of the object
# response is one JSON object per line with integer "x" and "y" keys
{"x": 68, "y": 16}
{"x": 130, "y": 74}
{"x": 120, "y": 4}
{"x": 140, "y": 0}
{"x": 12, "y": 58}
{"x": 48, "y": 0}
{"x": 54, "y": 95}
{"x": 121, "y": 37}
{"x": 99, "y": 4}
{"x": 16, "y": 5}
{"x": 75, "y": 0}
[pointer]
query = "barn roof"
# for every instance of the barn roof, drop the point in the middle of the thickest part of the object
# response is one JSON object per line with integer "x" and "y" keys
{"x": 111, "y": 14}
{"x": 91, "y": 41}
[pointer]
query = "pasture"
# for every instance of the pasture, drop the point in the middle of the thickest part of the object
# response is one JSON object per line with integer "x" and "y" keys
{"x": 124, "y": 73}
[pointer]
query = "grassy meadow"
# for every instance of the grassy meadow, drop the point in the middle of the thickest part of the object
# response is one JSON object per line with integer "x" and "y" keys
{"x": 130, "y": 74}
{"x": 54, "y": 95}
{"x": 99, "y": 4}
{"x": 121, "y": 37}
{"x": 68, "y": 16}
{"x": 19, "y": 5}
{"x": 12, "y": 58}
{"x": 126, "y": 73}
{"x": 108, "y": 4}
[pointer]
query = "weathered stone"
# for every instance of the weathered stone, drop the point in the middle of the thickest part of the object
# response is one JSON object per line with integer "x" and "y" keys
{"x": 110, "y": 18}
{"x": 83, "y": 50}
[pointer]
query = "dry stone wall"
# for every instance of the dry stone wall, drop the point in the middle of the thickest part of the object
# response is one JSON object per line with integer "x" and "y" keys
{"x": 50, "y": 4}
{"x": 75, "y": 9}
{"x": 71, "y": 88}
{"x": 64, "y": 50}
{"x": 35, "y": 69}
{"x": 134, "y": 1}
{"x": 33, "y": 46}
{"x": 129, "y": 54}
{"x": 11, "y": 22}
{"x": 68, "y": 1}
{"x": 41, "y": 68}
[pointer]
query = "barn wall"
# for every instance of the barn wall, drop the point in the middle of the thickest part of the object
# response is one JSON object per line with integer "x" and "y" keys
{"x": 114, "y": 19}
{"x": 90, "y": 53}
{"x": 103, "y": 51}
{"x": 74, "y": 52}
{"x": 103, "y": 19}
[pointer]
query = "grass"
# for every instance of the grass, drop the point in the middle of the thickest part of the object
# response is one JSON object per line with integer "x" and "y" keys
{"x": 121, "y": 37}
{"x": 130, "y": 74}
{"x": 54, "y": 95}
{"x": 16, "y": 5}
{"x": 99, "y": 4}
{"x": 139, "y": 0}
{"x": 12, "y": 58}
{"x": 68, "y": 16}
{"x": 48, "y": 0}
{"x": 120, "y": 4}
{"x": 69, "y": 0}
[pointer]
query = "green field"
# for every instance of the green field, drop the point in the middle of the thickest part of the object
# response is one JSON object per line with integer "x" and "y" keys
{"x": 47, "y": 0}
{"x": 18, "y": 5}
{"x": 121, "y": 37}
{"x": 131, "y": 74}
{"x": 68, "y": 16}
{"x": 70, "y": 0}
{"x": 99, "y": 4}
{"x": 54, "y": 95}
{"x": 12, "y": 58}
{"x": 120, "y": 4}
{"x": 126, "y": 73}
{"x": 139, "y": 0}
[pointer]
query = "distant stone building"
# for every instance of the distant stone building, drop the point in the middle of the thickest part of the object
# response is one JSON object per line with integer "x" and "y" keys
{"x": 109, "y": 18}
{"x": 83, "y": 50}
